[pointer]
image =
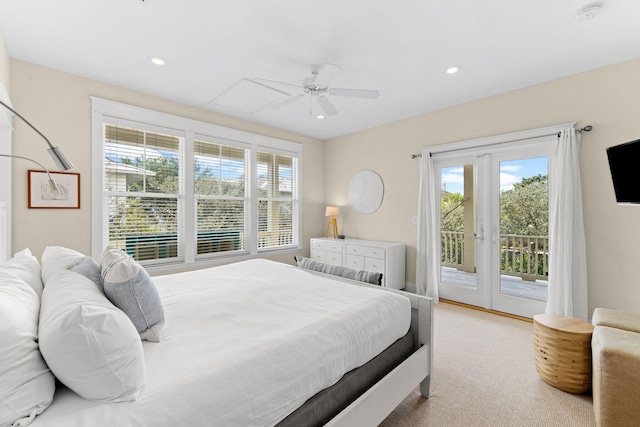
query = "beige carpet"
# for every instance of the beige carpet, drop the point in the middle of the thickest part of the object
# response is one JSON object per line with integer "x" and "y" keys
{"x": 484, "y": 375}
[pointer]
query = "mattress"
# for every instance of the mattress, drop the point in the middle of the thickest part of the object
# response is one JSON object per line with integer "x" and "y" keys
{"x": 245, "y": 345}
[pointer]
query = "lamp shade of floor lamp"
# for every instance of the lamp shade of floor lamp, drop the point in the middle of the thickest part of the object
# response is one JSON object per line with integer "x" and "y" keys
{"x": 332, "y": 211}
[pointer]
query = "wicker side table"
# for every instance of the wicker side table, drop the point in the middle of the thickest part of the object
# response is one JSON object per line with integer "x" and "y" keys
{"x": 563, "y": 351}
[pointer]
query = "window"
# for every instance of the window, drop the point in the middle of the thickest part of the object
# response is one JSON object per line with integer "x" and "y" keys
{"x": 277, "y": 202}
{"x": 167, "y": 189}
{"x": 142, "y": 182}
{"x": 221, "y": 197}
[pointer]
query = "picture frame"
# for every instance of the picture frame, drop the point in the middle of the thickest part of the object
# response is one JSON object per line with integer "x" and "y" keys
{"x": 42, "y": 196}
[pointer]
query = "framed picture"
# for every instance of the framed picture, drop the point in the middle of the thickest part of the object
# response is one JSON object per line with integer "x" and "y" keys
{"x": 64, "y": 194}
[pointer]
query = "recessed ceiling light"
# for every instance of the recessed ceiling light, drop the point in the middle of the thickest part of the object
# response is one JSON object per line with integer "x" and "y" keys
{"x": 156, "y": 61}
{"x": 589, "y": 12}
{"x": 320, "y": 116}
{"x": 453, "y": 70}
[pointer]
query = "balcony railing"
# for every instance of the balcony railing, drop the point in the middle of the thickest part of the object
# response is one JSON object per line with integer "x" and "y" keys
{"x": 521, "y": 256}
{"x": 275, "y": 238}
{"x": 161, "y": 246}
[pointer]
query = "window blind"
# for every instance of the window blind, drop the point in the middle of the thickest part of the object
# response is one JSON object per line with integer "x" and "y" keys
{"x": 277, "y": 199}
{"x": 220, "y": 196}
{"x": 142, "y": 182}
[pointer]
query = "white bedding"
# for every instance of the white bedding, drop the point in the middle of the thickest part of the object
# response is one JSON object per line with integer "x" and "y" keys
{"x": 245, "y": 345}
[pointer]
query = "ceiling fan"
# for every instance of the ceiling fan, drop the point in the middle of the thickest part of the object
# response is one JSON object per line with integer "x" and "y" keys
{"x": 317, "y": 88}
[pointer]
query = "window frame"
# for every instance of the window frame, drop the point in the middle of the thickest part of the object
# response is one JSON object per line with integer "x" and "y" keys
{"x": 105, "y": 111}
{"x": 246, "y": 198}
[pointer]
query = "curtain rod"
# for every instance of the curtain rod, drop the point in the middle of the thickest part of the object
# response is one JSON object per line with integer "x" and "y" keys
{"x": 587, "y": 128}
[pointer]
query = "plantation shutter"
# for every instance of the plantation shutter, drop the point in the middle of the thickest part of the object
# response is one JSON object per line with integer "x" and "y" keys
{"x": 142, "y": 185}
{"x": 278, "y": 203}
{"x": 221, "y": 197}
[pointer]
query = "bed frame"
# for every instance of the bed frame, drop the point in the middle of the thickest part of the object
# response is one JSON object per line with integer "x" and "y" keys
{"x": 372, "y": 407}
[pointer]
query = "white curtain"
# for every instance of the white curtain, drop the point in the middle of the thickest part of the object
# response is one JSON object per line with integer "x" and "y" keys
{"x": 567, "y": 251}
{"x": 427, "y": 262}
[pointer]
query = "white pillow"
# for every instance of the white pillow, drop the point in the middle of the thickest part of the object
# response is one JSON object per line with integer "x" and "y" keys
{"x": 56, "y": 259}
{"x": 128, "y": 286}
{"x": 26, "y": 384}
{"x": 90, "y": 345}
{"x": 25, "y": 266}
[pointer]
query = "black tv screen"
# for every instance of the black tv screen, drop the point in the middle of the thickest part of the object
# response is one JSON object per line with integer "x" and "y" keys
{"x": 624, "y": 160}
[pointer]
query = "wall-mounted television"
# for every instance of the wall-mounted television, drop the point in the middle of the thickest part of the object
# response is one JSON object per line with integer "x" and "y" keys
{"x": 624, "y": 161}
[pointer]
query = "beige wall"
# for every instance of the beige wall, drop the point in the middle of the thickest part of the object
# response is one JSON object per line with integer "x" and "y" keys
{"x": 58, "y": 104}
{"x": 607, "y": 98}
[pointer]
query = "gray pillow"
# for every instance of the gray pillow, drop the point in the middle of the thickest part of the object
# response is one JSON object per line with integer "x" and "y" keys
{"x": 336, "y": 270}
{"x": 89, "y": 269}
{"x": 128, "y": 286}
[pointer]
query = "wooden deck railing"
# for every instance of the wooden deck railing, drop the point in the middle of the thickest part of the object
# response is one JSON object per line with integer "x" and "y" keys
{"x": 452, "y": 248}
{"x": 521, "y": 256}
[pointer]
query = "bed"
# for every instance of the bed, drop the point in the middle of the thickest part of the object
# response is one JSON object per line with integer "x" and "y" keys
{"x": 260, "y": 343}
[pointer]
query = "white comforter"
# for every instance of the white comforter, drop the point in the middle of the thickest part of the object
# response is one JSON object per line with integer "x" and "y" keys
{"x": 245, "y": 345}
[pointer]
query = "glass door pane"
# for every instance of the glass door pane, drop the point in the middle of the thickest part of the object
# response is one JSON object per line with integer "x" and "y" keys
{"x": 458, "y": 225}
{"x": 524, "y": 228}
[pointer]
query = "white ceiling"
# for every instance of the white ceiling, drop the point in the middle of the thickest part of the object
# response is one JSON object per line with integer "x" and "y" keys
{"x": 401, "y": 48}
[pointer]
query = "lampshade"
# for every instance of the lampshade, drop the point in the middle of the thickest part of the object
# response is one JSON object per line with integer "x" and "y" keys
{"x": 60, "y": 159}
{"x": 331, "y": 211}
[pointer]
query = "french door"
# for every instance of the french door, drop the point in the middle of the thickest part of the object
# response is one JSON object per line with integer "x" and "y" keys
{"x": 494, "y": 225}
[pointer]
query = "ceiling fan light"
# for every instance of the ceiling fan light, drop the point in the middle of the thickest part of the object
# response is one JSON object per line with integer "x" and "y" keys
{"x": 589, "y": 12}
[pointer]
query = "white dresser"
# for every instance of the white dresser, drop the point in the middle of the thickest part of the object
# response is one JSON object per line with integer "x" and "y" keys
{"x": 370, "y": 255}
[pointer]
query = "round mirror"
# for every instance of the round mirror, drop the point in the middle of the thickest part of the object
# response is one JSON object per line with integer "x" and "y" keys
{"x": 366, "y": 191}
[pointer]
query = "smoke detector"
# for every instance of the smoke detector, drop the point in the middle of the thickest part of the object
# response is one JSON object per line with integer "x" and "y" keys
{"x": 589, "y": 12}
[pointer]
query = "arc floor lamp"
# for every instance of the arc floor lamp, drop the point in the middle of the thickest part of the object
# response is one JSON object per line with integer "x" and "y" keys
{"x": 56, "y": 153}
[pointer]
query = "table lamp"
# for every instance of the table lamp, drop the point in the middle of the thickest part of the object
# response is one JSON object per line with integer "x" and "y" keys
{"x": 332, "y": 211}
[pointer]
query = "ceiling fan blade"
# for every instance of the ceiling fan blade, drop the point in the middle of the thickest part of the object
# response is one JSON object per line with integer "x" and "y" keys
{"x": 327, "y": 73}
{"x": 355, "y": 93}
{"x": 327, "y": 106}
{"x": 287, "y": 87}
{"x": 286, "y": 101}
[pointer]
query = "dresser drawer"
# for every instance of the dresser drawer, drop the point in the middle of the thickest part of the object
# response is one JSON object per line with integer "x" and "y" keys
{"x": 333, "y": 258}
{"x": 375, "y": 265}
{"x": 329, "y": 257}
{"x": 355, "y": 261}
{"x": 326, "y": 246}
{"x": 318, "y": 255}
{"x": 365, "y": 251}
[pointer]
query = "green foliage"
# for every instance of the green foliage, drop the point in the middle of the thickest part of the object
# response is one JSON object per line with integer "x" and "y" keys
{"x": 524, "y": 209}
{"x": 207, "y": 184}
{"x": 166, "y": 179}
{"x": 452, "y": 209}
{"x": 144, "y": 215}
